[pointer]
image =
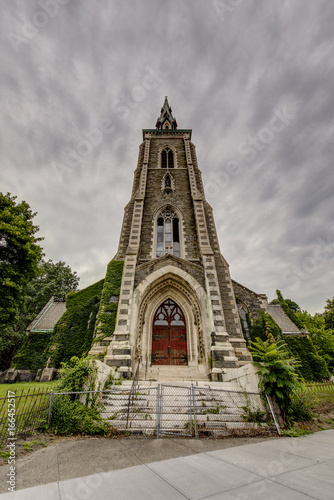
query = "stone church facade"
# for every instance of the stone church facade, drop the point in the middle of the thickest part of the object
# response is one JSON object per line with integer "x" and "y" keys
{"x": 177, "y": 311}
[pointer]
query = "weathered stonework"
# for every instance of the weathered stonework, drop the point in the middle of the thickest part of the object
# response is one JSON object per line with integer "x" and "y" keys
{"x": 196, "y": 277}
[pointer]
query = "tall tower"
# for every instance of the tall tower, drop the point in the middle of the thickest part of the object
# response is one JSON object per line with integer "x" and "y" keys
{"x": 177, "y": 310}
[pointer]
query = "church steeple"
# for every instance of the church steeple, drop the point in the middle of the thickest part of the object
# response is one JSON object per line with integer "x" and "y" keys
{"x": 166, "y": 120}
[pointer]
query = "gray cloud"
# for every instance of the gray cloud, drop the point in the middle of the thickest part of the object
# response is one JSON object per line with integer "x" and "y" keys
{"x": 224, "y": 78}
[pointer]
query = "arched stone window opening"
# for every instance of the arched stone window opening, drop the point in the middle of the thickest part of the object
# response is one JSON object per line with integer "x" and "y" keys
{"x": 168, "y": 233}
{"x": 167, "y": 158}
{"x": 244, "y": 322}
{"x": 167, "y": 183}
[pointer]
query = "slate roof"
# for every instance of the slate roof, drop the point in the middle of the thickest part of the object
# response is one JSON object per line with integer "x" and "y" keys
{"x": 45, "y": 321}
{"x": 283, "y": 321}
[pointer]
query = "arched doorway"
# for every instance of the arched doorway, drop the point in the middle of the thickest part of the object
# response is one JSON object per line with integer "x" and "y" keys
{"x": 169, "y": 336}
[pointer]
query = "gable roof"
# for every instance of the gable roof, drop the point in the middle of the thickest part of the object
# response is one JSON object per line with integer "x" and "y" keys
{"x": 46, "y": 320}
{"x": 283, "y": 321}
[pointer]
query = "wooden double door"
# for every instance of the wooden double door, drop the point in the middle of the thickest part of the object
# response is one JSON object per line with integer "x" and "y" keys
{"x": 169, "y": 335}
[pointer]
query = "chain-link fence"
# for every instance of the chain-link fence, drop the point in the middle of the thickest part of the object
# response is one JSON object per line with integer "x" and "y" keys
{"x": 175, "y": 410}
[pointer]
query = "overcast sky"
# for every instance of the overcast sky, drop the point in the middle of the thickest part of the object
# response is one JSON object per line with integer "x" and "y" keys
{"x": 254, "y": 81}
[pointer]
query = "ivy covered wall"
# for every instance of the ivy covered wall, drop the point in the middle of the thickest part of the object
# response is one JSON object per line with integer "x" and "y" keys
{"x": 93, "y": 307}
{"x": 73, "y": 334}
{"x": 106, "y": 319}
{"x": 33, "y": 353}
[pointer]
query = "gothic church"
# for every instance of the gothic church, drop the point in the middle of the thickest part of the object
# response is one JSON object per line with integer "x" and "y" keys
{"x": 177, "y": 312}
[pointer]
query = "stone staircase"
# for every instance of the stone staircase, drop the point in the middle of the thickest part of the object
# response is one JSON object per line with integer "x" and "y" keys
{"x": 169, "y": 409}
{"x": 175, "y": 373}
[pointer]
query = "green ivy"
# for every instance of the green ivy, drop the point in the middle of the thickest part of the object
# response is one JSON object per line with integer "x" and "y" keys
{"x": 106, "y": 319}
{"x": 73, "y": 334}
{"x": 33, "y": 352}
{"x": 264, "y": 325}
{"x": 312, "y": 366}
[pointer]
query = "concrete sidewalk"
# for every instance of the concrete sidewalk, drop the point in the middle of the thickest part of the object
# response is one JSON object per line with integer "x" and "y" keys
{"x": 288, "y": 468}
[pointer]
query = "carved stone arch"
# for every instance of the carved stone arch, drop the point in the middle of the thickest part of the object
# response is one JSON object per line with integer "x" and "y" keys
{"x": 173, "y": 149}
{"x": 170, "y": 287}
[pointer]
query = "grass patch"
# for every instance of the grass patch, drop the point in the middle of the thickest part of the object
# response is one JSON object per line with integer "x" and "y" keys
{"x": 4, "y": 454}
{"x": 18, "y": 387}
{"x": 29, "y": 445}
{"x": 295, "y": 432}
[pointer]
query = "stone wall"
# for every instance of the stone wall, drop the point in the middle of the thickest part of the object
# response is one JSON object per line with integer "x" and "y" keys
{"x": 180, "y": 198}
{"x": 250, "y": 300}
{"x": 194, "y": 270}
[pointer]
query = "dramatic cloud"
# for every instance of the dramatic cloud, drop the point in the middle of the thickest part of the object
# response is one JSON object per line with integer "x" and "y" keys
{"x": 253, "y": 79}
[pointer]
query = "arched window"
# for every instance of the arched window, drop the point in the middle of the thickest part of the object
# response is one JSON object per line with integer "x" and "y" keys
{"x": 168, "y": 234}
{"x": 167, "y": 158}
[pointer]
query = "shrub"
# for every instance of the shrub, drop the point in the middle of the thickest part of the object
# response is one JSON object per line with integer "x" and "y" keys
{"x": 77, "y": 413}
{"x": 311, "y": 366}
{"x": 278, "y": 375}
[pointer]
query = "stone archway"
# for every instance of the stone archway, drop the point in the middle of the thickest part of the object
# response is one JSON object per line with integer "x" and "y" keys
{"x": 171, "y": 283}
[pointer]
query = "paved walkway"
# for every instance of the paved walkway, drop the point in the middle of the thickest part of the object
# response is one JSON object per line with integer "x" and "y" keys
{"x": 285, "y": 468}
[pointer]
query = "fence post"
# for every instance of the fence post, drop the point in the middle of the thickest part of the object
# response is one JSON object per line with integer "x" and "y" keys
{"x": 50, "y": 408}
{"x": 194, "y": 410}
{"x": 158, "y": 409}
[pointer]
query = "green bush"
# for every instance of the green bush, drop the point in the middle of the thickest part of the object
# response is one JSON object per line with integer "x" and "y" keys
{"x": 72, "y": 417}
{"x": 312, "y": 367}
{"x": 277, "y": 371}
{"x": 78, "y": 374}
{"x": 77, "y": 413}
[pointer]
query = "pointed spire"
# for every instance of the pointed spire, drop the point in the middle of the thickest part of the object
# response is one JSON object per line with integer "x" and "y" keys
{"x": 166, "y": 120}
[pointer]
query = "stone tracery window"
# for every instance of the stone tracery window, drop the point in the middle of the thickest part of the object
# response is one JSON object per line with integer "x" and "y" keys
{"x": 168, "y": 234}
{"x": 167, "y": 158}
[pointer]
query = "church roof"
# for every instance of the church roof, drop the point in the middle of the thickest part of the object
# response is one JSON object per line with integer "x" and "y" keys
{"x": 283, "y": 321}
{"x": 46, "y": 320}
{"x": 166, "y": 114}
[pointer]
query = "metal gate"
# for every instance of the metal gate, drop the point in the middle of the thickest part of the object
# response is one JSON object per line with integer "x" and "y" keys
{"x": 176, "y": 411}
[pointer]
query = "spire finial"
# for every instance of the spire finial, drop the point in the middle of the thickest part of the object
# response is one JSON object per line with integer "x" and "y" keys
{"x": 166, "y": 120}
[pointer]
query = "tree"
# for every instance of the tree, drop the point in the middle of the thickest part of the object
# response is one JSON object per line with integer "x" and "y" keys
{"x": 20, "y": 254}
{"x": 322, "y": 337}
{"x": 329, "y": 313}
{"x": 53, "y": 279}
